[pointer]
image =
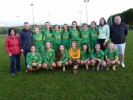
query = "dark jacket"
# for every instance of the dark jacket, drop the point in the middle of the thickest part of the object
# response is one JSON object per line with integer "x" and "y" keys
{"x": 118, "y": 33}
{"x": 26, "y": 40}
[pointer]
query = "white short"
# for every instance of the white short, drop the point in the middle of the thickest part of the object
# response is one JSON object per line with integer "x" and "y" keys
{"x": 120, "y": 47}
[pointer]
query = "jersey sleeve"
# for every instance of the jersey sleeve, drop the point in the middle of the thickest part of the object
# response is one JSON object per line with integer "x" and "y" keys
{"x": 28, "y": 60}
{"x": 39, "y": 59}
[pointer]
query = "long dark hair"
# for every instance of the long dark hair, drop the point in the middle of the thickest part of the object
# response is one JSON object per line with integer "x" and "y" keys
{"x": 76, "y": 26}
{"x": 64, "y": 29}
{"x": 49, "y": 27}
{"x": 58, "y": 52}
{"x": 87, "y": 50}
{"x": 9, "y": 31}
{"x": 104, "y": 21}
{"x": 95, "y": 48}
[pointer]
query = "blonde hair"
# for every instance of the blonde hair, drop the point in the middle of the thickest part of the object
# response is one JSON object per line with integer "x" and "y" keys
{"x": 112, "y": 44}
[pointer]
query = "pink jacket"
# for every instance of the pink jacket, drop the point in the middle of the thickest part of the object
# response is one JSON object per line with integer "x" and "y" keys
{"x": 12, "y": 45}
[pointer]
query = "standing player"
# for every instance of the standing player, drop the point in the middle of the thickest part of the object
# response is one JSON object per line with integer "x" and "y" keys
{"x": 57, "y": 37}
{"x": 47, "y": 33}
{"x": 85, "y": 35}
{"x": 75, "y": 33}
{"x": 66, "y": 36}
{"x": 93, "y": 35}
{"x": 38, "y": 40}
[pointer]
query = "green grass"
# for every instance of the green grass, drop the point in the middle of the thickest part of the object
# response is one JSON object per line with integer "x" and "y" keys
{"x": 87, "y": 85}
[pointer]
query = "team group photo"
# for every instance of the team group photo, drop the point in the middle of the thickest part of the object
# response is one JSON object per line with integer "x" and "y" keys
{"x": 66, "y": 50}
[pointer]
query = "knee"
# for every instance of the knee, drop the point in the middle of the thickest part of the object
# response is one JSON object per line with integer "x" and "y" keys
{"x": 58, "y": 64}
{"x": 88, "y": 62}
{"x": 70, "y": 62}
{"x": 103, "y": 63}
{"x": 66, "y": 63}
{"x": 118, "y": 62}
{"x": 82, "y": 62}
{"x": 39, "y": 66}
{"x": 92, "y": 62}
{"x": 85, "y": 61}
{"x": 44, "y": 65}
{"x": 78, "y": 61}
{"x": 53, "y": 65}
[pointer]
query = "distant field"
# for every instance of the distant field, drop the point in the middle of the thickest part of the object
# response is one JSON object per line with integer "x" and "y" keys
{"x": 87, "y": 85}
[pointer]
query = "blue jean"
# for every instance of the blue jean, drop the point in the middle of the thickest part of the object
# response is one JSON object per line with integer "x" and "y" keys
{"x": 15, "y": 58}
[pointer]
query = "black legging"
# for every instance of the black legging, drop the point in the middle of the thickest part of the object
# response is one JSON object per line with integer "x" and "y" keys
{"x": 101, "y": 41}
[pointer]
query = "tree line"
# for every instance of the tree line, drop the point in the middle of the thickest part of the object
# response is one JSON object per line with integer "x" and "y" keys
{"x": 126, "y": 16}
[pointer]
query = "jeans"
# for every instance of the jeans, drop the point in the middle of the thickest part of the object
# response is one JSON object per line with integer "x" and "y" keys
{"x": 15, "y": 58}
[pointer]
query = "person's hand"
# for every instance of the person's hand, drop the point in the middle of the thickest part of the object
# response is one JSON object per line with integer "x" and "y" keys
{"x": 99, "y": 60}
{"x": 34, "y": 64}
{"x": 104, "y": 44}
{"x": 22, "y": 51}
{"x": 113, "y": 62}
{"x": 10, "y": 54}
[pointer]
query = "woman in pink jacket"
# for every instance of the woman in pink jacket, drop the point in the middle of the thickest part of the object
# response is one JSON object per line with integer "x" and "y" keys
{"x": 12, "y": 48}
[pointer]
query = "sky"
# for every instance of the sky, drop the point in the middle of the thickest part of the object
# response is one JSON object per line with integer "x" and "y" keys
{"x": 58, "y": 11}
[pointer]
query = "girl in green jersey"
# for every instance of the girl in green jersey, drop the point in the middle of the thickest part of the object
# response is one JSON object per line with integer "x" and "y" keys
{"x": 48, "y": 57}
{"x": 66, "y": 36}
{"x": 84, "y": 35}
{"x": 85, "y": 55}
{"x": 57, "y": 37}
{"x": 61, "y": 57}
{"x": 111, "y": 56}
{"x": 38, "y": 40}
{"x": 75, "y": 33}
{"x": 97, "y": 57}
{"x": 93, "y": 35}
{"x": 47, "y": 33}
{"x": 33, "y": 60}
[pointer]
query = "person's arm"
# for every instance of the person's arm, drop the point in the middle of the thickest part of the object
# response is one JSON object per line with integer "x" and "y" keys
{"x": 21, "y": 39}
{"x": 52, "y": 58}
{"x": 80, "y": 35}
{"x": 126, "y": 30}
{"x": 28, "y": 59}
{"x": 43, "y": 36}
{"x": 32, "y": 42}
{"x": 7, "y": 46}
{"x": 78, "y": 54}
{"x": 102, "y": 56}
{"x": 111, "y": 31}
{"x": 107, "y": 34}
{"x": 39, "y": 59}
{"x": 70, "y": 54}
{"x": 63, "y": 61}
{"x": 45, "y": 60}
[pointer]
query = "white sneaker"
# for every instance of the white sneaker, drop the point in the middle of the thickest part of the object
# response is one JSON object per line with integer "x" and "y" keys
{"x": 113, "y": 67}
{"x": 123, "y": 65}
